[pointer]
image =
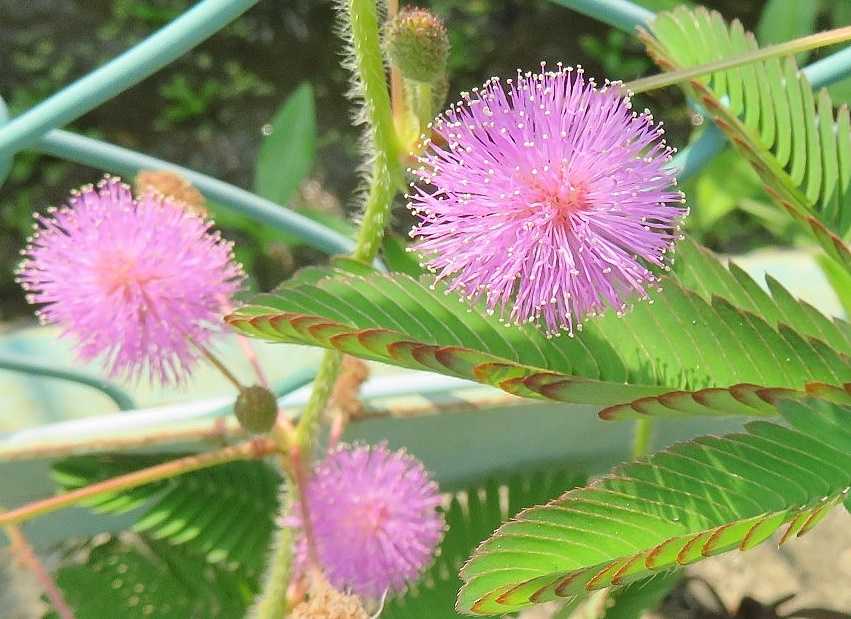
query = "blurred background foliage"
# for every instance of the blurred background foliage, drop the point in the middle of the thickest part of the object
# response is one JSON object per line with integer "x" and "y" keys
{"x": 262, "y": 105}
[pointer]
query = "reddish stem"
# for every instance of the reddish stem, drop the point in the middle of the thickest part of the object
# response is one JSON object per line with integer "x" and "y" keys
{"x": 26, "y": 555}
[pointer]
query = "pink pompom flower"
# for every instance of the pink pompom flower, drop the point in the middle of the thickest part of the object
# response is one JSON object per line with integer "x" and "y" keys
{"x": 550, "y": 199}
{"x": 374, "y": 519}
{"x": 140, "y": 283}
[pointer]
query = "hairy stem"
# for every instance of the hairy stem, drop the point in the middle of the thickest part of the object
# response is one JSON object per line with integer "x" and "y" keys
{"x": 322, "y": 388}
{"x": 360, "y": 17}
{"x": 273, "y": 602}
{"x": 248, "y": 450}
{"x": 370, "y": 80}
{"x": 22, "y": 550}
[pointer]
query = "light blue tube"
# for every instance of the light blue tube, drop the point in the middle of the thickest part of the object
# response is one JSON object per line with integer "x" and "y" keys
{"x": 20, "y": 363}
{"x": 618, "y": 13}
{"x": 830, "y": 69}
{"x": 164, "y": 46}
{"x": 126, "y": 162}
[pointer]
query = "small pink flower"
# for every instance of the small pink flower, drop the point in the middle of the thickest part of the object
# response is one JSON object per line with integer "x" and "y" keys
{"x": 139, "y": 282}
{"x": 374, "y": 519}
{"x": 551, "y": 200}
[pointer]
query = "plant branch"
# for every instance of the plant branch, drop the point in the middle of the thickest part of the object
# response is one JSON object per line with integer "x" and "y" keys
{"x": 22, "y": 550}
{"x": 789, "y": 48}
{"x": 248, "y": 450}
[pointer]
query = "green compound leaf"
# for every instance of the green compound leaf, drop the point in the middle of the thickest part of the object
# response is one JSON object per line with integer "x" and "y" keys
{"x": 683, "y": 341}
{"x": 473, "y": 514}
{"x": 698, "y": 271}
{"x": 694, "y": 500}
{"x": 798, "y": 145}
{"x": 135, "y": 579}
{"x": 222, "y": 515}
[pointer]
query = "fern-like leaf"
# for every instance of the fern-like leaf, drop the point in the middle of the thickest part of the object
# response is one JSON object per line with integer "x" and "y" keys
{"x": 791, "y": 136}
{"x": 223, "y": 514}
{"x": 686, "y": 340}
{"x": 473, "y": 514}
{"x": 681, "y": 505}
{"x": 140, "y": 579}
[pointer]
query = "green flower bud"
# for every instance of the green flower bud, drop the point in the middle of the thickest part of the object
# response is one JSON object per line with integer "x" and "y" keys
{"x": 256, "y": 409}
{"x": 417, "y": 43}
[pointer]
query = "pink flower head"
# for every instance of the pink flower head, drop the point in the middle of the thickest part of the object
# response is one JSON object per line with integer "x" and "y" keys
{"x": 551, "y": 200}
{"x": 141, "y": 282}
{"x": 374, "y": 519}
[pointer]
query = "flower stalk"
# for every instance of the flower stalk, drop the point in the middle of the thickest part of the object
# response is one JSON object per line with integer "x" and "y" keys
{"x": 221, "y": 367}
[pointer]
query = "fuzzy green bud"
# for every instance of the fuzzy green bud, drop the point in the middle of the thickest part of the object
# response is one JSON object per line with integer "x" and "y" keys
{"x": 256, "y": 409}
{"x": 416, "y": 42}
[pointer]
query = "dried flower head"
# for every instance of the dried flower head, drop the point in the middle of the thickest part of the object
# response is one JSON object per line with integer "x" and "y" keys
{"x": 325, "y": 602}
{"x": 374, "y": 518}
{"x": 173, "y": 186}
{"x": 551, "y": 200}
{"x": 140, "y": 282}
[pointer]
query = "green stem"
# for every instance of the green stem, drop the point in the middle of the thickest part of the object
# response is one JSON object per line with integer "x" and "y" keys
{"x": 361, "y": 16}
{"x": 322, "y": 387}
{"x": 789, "y": 48}
{"x": 385, "y": 173}
{"x": 21, "y": 364}
{"x": 642, "y": 437}
{"x": 273, "y": 602}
